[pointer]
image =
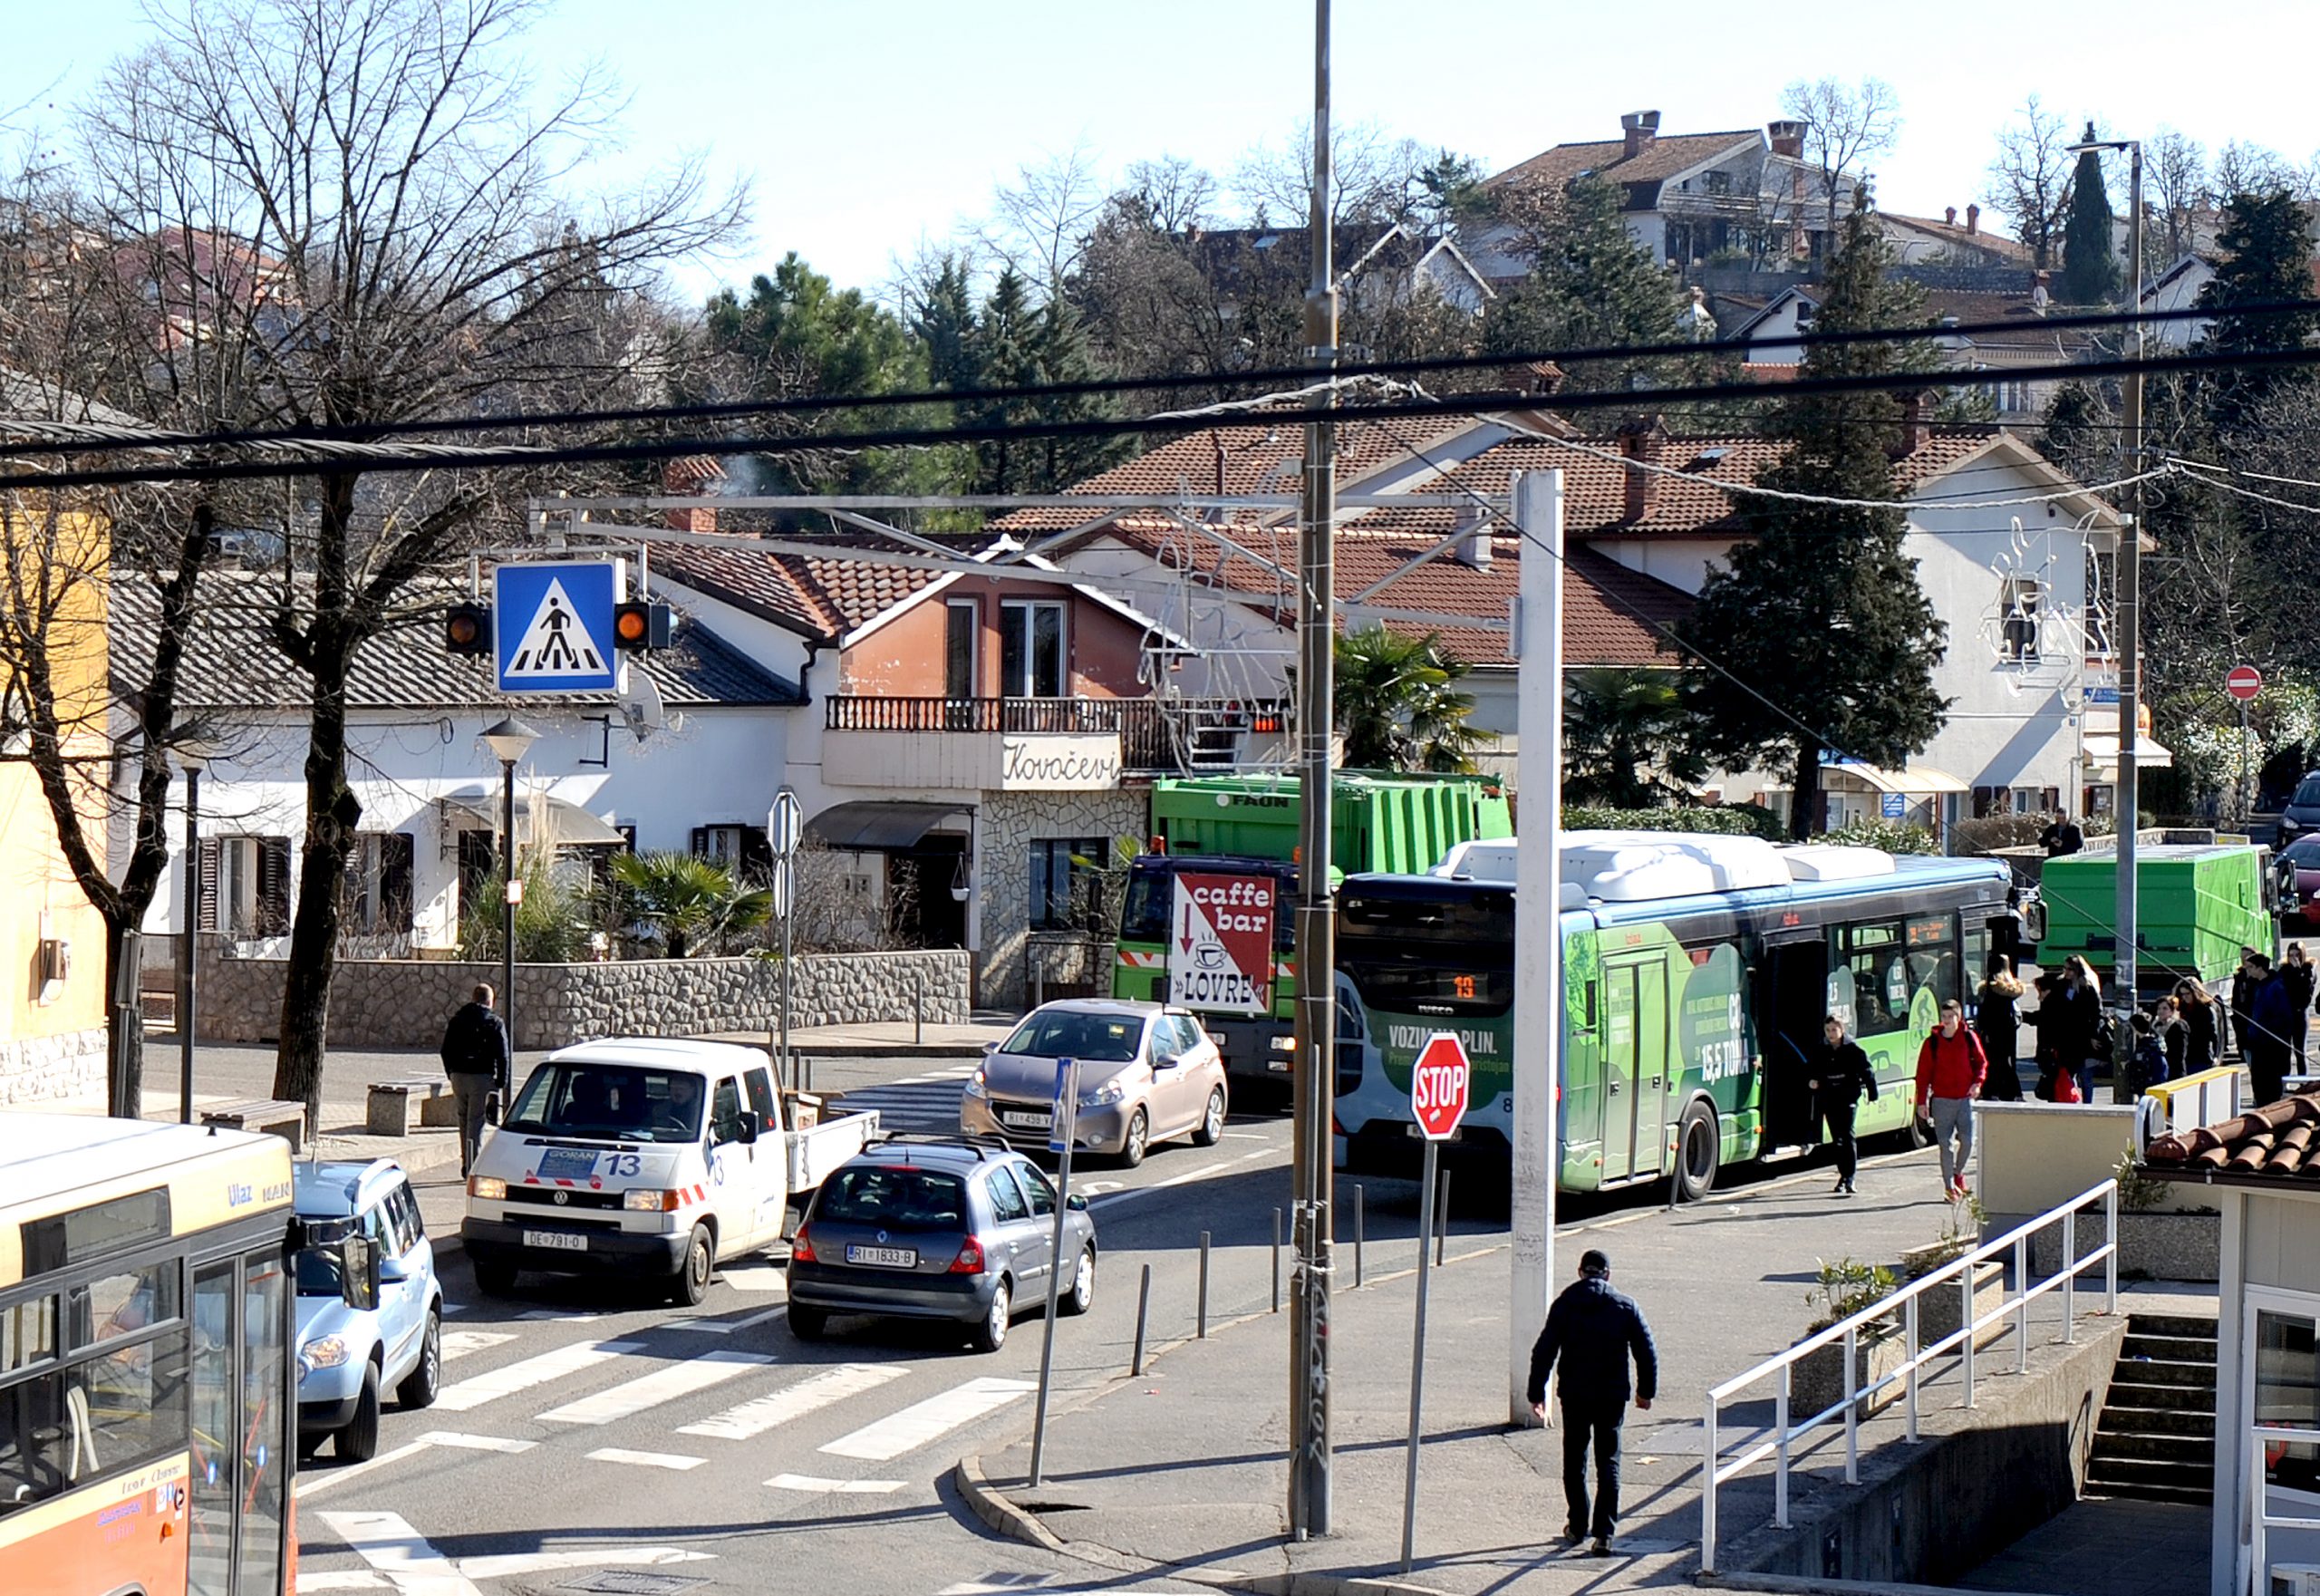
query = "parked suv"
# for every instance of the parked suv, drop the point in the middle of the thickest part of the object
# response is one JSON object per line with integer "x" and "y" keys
{"x": 348, "y": 1356}
{"x": 1148, "y": 1073}
{"x": 932, "y": 1228}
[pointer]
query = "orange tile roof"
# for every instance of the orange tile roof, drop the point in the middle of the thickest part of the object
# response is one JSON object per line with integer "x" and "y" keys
{"x": 822, "y": 597}
{"x": 1980, "y": 238}
{"x": 2268, "y": 1145}
{"x": 1657, "y": 161}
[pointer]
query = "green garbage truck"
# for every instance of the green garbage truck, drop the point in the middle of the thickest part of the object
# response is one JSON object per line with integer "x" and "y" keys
{"x": 2197, "y": 904}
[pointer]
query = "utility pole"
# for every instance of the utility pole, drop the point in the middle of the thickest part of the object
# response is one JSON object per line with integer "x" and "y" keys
{"x": 2128, "y": 803}
{"x": 1314, "y": 1071}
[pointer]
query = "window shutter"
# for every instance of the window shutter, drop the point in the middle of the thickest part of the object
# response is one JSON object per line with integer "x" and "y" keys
{"x": 2050, "y": 799}
{"x": 357, "y": 911}
{"x": 700, "y": 842}
{"x": 205, "y": 916}
{"x": 757, "y": 855}
{"x": 398, "y": 853}
{"x": 273, "y": 885}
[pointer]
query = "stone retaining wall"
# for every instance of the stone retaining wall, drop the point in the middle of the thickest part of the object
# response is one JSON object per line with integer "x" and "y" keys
{"x": 404, "y": 1002}
{"x": 37, "y": 1070}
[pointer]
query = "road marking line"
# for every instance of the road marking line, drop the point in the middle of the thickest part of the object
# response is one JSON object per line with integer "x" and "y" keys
{"x": 475, "y": 1442}
{"x": 1202, "y": 1173}
{"x": 646, "y": 1459}
{"x": 726, "y": 1327}
{"x": 557, "y": 1316}
{"x": 455, "y": 1307}
{"x": 389, "y": 1544}
{"x": 1248, "y": 1136}
{"x": 926, "y": 1421}
{"x": 662, "y": 1384}
{"x": 309, "y": 1484}
{"x": 343, "y": 1579}
{"x": 475, "y": 1391}
{"x": 805, "y": 1482}
{"x": 755, "y": 1418}
{"x": 458, "y": 1343}
{"x": 515, "y": 1564}
{"x": 757, "y": 1277}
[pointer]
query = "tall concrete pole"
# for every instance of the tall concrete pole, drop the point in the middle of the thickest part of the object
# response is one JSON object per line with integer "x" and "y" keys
{"x": 2129, "y": 806}
{"x": 1314, "y": 1075}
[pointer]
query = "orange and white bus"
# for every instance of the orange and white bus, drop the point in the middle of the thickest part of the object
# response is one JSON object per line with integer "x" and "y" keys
{"x": 148, "y": 1368}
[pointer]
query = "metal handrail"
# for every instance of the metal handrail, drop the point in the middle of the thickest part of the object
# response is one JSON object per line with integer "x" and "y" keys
{"x": 2260, "y": 1522}
{"x": 2014, "y": 1245}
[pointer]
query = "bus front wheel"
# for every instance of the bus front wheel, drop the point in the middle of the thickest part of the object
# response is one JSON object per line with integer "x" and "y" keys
{"x": 1698, "y": 1152}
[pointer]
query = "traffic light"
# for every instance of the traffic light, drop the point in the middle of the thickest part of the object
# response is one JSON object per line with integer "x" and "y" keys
{"x": 467, "y": 629}
{"x": 642, "y": 624}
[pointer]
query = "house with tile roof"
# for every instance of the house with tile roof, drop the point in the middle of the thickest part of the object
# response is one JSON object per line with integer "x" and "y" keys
{"x": 428, "y": 789}
{"x": 1647, "y": 515}
{"x": 983, "y": 729}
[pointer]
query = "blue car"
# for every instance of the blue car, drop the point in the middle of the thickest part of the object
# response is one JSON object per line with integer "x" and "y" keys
{"x": 347, "y": 1356}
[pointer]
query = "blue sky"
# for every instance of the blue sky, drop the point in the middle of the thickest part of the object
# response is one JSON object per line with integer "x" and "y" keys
{"x": 862, "y": 128}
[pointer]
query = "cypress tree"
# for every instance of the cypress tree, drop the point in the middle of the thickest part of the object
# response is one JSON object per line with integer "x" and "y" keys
{"x": 2265, "y": 253}
{"x": 2090, "y": 266}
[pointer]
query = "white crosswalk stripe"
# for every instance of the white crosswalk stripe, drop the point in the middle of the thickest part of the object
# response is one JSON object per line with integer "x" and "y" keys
{"x": 926, "y": 1421}
{"x": 646, "y": 1459}
{"x": 458, "y": 1343}
{"x": 793, "y": 1402}
{"x": 817, "y": 1486}
{"x": 477, "y": 1390}
{"x": 662, "y": 1384}
{"x": 757, "y": 1277}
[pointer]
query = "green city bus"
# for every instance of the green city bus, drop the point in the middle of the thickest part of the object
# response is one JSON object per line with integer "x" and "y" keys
{"x": 1247, "y": 827}
{"x": 1697, "y": 973}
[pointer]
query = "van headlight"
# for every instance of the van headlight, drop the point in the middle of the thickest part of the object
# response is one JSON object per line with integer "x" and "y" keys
{"x": 324, "y": 1352}
{"x": 1103, "y": 1095}
{"x": 489, "y": 1187}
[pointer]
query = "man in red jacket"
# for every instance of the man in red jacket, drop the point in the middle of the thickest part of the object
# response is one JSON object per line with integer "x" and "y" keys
{"x": 1951, "y": 1067}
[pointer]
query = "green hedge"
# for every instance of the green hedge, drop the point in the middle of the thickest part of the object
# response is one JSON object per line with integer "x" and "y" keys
{"x": 1723, "y": 820}
{"x": 1892, "y": 835}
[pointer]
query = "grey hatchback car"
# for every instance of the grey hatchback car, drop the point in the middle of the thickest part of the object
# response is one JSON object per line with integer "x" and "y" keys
{"x": 937, "y": 1228}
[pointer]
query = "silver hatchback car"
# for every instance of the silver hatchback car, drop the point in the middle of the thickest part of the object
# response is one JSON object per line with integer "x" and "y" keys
{"x": 1147, "y": 1073}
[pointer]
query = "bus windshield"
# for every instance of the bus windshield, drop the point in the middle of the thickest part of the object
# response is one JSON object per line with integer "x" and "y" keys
{"x": 610, "y": 1102}
{"x": 1424, "y": 947}
{"x": 1152, "y": 895}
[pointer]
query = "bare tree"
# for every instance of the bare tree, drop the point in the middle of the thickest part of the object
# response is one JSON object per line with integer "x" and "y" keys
{"x": 1041, "y": 225}
{"x": 2030, "y": 180}
{"x": 1376, "y": 178}
{"x": 348, "y": 212}
{"x": 2175, "y": 172}
{"x": 1846, "y": 126}
{"x": 1173, "y": 195}
{"x": 2242, "y": 168}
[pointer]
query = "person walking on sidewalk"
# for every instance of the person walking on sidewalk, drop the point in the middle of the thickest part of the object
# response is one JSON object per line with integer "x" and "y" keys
{"x": 2272, "y": 1018}
{"x": 2297, "y": 974}
{"x": 1842, "y": 1074}
{"x": 476, "y": 1061}
{"x": 2243, "y": 994}
{"x": 1594, "y": 1331}
{"x": 2202, "y": 1027}
{"x": 1951, "y": 1068}
{"x": 1999, "y": 1023}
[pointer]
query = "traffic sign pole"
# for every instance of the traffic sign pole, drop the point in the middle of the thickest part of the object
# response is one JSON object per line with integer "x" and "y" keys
{"x": 2244, "y": 682}
{"x": 1061, "y": 1125}
{"x": 1418, "y": 1347}
{"x": 784, "y": 829}
{"x": 1441, "y": 1085}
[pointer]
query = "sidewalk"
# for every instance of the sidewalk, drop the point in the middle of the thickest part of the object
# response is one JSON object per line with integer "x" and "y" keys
{"x": 1187, "y": 1467}
{"x": 888, "y": 1038}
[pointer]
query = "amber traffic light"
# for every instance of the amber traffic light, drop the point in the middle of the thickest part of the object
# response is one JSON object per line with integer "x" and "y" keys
{"x": 467, "y": 629}
{"x": 640, "y": 624}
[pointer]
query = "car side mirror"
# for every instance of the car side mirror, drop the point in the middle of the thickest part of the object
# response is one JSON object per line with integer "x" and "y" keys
{"x": 1076, "y": 1202}
{"x": 358, "y": 1273}
{"x": 989, "y": 1048}
{"x": 752, "y": 1125}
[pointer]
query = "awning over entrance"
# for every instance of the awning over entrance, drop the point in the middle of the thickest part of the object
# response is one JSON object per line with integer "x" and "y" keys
{"x": 880, "y": 823}
{"x": 2104, "y": 752}
{"x": 1913, "y": 780}
{"x": 473, "y": 808}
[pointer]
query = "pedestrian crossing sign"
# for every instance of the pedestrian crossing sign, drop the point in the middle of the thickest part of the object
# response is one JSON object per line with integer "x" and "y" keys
{"x": 552, "y": 626}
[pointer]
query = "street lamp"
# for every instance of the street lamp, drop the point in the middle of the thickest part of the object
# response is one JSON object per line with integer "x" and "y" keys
{"x": 193, "y": 753}
{"x": 508, "y": 742}
{"x": 2128, "y": 801}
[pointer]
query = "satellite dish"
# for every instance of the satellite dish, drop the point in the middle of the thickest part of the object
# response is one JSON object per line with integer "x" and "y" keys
{"x": 640, "y": 705}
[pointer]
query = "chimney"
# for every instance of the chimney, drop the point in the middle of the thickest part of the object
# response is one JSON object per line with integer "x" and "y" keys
{"x": 1973, "y": 218}
{"x": 1639, "y": 128}
{"x": 1915, "y": 409}
{"x": 1643, "y": 439}
{"x": 691, "y": 477}
{"x": 1950, "y": 216}
{"x": 1787, "y": 138}
{"x": 1474, "y": 549}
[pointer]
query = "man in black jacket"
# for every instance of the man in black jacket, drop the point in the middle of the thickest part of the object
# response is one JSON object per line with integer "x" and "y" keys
{"x": 1594, "y": 1331}
{"x": 1840, "y": 1074}
{"x": 476, "y": 1059}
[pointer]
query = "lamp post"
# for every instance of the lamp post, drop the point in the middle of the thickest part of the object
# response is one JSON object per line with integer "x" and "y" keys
{"x": 2128, "y": 801}
{"x": 508, "y": 742}
{"x": 193, "y": 754}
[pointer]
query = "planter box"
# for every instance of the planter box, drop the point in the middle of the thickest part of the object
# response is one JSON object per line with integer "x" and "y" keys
{"x": 1816, "y": 1383}
{"x": 1938, "y": 1309}
{"x": 2152, "y": 1246}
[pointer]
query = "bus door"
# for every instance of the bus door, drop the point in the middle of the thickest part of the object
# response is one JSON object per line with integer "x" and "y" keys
{"x": 1795, "y": 994}
{"x": 244, "y": 1425}
{"x": 1635, "y": 1067}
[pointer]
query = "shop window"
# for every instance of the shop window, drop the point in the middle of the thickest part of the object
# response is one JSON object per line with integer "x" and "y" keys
{"x": 1070, "y": 888}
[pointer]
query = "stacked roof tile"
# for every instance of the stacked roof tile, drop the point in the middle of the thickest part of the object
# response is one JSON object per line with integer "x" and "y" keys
{"x": 2273, "y": 1143}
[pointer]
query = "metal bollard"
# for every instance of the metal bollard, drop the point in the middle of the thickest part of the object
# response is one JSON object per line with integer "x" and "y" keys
{"x": 918, "y": 1010}
{"x": 1442, "y": 1221}
{"x": 1204, "y": 1286}
{"x": 1357, "y": 1237}
{"x": 1276, "y": 1261}
{"x": 1143, "y": 1303}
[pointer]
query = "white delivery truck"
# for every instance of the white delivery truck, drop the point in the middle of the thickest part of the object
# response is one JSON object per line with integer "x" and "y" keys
{"x": 645, "y": 1156}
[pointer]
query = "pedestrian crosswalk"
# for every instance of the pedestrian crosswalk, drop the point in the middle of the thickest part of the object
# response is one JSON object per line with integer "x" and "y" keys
{"x": 926, "y": 1103}
{"x": 662, "y": 1384}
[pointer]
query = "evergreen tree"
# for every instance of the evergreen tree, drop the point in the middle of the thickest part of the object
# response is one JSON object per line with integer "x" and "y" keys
{"x": 1590, "y": 283}
{"x": 1816, "y": 639}
{"x": 2090, "y": 265}
{"x": 2265, "y": 253}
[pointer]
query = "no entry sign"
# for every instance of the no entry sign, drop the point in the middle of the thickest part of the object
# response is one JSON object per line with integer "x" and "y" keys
{"x": 2244, "y": 682}
{"x": 1220, "y": 943}
{"x": 1438, "y": 1086}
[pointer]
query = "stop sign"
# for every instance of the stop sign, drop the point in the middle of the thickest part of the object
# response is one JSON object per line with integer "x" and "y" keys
{"x": 2244, "y": 682}
{"x": 1438, "y": 1083}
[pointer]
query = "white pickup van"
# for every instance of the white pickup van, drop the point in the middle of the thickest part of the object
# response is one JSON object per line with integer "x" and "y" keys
{"x": 640, "y": 1155}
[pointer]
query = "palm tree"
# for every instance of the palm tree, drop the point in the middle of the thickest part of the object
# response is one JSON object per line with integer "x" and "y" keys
{"x": 1396, "y": 706}
{"x": 692, "y": 903}
{"x": 1622, "y": 740}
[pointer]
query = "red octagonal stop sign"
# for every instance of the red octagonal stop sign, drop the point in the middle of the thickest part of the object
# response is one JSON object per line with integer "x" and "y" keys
{"x": 1438, "y": 1086}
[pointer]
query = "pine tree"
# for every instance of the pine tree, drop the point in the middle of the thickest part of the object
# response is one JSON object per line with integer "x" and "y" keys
{"x": 2265, "y": 250}
{"x": 2090, "y": 265}
{"x": 1591, "y": 284}
{"x": 1816, "y": 639}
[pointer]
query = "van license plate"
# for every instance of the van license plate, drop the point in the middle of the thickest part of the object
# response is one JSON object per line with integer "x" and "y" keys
{"x": 557, "y": 1241}
{"x": 1027, "y": 1121}
{"x": 886, "y": 1257}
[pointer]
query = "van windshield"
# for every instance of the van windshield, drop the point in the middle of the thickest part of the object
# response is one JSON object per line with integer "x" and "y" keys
{"x": 2307, "y": 794}
{"x": 609, "y": 1102}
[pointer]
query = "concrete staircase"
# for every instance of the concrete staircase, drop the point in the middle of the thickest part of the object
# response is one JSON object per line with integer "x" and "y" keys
{"x": 2156, "y": 1438}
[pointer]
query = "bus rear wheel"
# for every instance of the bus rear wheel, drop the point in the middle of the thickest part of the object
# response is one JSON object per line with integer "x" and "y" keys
{"x": 1698, "y": 1153}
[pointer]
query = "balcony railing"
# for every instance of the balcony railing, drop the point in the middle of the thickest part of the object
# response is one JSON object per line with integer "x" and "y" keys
{"x": 1161, "y": 735}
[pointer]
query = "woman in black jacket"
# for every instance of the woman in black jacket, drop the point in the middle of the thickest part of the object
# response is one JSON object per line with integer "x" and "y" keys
{"x": 2296, "y": 975}
{"x": 1999, "y": 1023}
{"x": 2203, "y": 1025}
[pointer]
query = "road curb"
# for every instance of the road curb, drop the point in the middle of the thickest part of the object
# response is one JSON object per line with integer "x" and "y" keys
{"x": 956, "y": 1051}
{"x": 989, "y": 1503}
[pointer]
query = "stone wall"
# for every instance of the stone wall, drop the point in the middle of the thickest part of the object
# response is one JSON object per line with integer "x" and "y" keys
{"x": 37, "y": 1069}
{"x": 1007, "y": 824}
{"x": 404, "y": 1002}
